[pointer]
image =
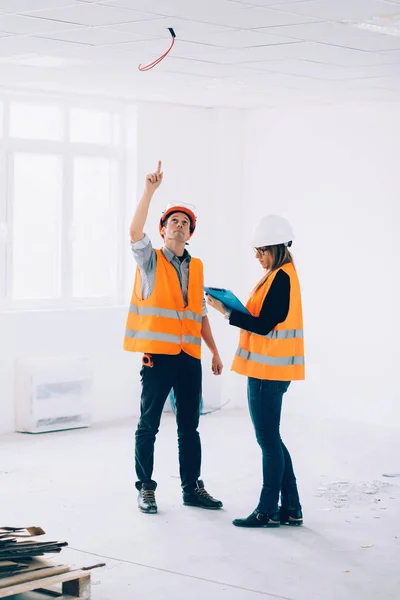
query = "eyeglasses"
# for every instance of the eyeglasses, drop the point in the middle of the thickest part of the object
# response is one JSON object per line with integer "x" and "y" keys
{"x": 260, "y": 250}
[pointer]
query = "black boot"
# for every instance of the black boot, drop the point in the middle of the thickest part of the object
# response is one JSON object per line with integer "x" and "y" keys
{"x": 289, "y": 516}
{"x": 258, "y": 519}
{"x": 147, "y": 498}
{"x": 199, "y": 497}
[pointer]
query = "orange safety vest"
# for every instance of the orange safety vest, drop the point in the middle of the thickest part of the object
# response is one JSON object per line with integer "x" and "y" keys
{"x": 279, "y": 355}
{"x": 162, "y": 324}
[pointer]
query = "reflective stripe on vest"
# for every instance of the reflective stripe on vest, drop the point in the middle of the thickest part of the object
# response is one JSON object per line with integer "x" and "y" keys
{"x": 273, "y": 361}
{"x": 191, "y": 339}
{"x": 155, "y": 336}
{"x": 153, "y": 311}
{"x": 158, "y": 336}
{"x": 283, "y": 334}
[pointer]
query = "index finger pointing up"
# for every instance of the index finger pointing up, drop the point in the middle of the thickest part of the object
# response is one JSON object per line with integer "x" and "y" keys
{"x": 159, "y": 167}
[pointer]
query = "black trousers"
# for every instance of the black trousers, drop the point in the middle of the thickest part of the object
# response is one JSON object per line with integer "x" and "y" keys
{"x": 182, "y": 373}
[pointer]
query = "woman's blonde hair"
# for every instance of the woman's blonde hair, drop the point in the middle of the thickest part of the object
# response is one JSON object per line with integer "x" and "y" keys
{"x": 281, "y": 255}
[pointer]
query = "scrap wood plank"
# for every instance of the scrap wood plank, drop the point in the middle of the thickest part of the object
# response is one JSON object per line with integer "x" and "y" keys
{"x": 7, "y": 566}
{"x": 32, "y": 575}
{"x": 10, "y": 565}
{"x": 37, "y": 563}
{"x": 75, "y": 584}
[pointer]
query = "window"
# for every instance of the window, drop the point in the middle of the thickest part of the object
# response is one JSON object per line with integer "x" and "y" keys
{"x": 36, "y": 122}
{"x": 61, "y": 201}
{"x": 95, "y": 227}
{"x": 93, "y": 127}
{"x": 36, "y": 208}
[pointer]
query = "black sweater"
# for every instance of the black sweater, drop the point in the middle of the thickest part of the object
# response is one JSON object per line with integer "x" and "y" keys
{"x": 273, "y": 311}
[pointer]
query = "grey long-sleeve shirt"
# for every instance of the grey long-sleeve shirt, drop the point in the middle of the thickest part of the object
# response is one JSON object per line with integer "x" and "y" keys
{"x": 146, "y": 259}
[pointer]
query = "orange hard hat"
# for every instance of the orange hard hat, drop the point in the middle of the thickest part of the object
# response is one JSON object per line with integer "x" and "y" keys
{"x": 182, "y": 209}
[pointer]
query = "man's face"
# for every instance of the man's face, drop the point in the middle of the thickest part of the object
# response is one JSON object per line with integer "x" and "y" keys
{"x": 177, "y": 228}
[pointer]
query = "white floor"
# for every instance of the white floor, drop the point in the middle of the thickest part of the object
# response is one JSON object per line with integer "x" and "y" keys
{"x": 78, "y": 486}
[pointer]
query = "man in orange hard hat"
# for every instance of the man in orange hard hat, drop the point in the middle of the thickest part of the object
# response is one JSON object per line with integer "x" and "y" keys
{"x": 166, "y": 322}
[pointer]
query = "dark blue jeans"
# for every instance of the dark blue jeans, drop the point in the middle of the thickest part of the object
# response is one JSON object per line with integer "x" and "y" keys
{"x": 265, "y": 405}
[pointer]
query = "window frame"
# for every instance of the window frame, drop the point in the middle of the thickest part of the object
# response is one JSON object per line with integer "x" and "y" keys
{"x": 68, "y": 151}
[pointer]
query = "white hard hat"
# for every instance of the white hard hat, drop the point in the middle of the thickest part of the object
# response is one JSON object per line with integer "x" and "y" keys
{"x": 272, "y": 230}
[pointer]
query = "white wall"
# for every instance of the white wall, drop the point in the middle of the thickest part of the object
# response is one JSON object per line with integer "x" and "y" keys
{"x": 196, "y": 155}
{"x": 334, "y": 173}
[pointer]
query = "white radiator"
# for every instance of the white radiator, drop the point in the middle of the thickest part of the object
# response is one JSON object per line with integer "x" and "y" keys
{"x": 52, "y": 394}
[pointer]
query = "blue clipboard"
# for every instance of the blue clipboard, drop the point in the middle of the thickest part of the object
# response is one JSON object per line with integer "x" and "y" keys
{"x": 227, "y": 298}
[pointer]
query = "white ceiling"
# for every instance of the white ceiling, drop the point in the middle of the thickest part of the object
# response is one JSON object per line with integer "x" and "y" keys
{"x": 238, "y": 53}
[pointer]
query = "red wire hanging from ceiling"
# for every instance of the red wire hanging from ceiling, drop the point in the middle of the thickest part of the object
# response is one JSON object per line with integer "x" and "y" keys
{"x": 158, "y": 60}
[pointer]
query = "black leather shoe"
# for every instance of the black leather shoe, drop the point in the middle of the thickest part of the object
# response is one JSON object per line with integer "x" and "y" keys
{"x": 258, "y": 519}
{"x": 199, "y": 497}
{"x": 288, "y": 516}
{"x": 147, "y": 498}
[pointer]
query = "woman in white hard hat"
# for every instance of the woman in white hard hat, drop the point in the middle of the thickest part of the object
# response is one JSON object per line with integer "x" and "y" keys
{"x": 271, "y": 355}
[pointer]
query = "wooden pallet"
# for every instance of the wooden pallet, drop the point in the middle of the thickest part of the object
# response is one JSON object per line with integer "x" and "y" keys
{"x": 74, "y": 585}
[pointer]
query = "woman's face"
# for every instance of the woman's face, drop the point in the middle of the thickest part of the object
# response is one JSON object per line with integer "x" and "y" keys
{"x": 264, "y": 257}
